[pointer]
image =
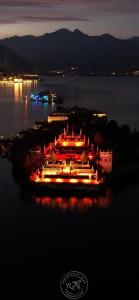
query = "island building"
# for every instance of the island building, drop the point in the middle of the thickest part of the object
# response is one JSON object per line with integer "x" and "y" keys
{"x": 72, "y": 160}
{"x": 106, "y": 161}
{"x": 65, "y": 114}
{"x": 58, "y": 116}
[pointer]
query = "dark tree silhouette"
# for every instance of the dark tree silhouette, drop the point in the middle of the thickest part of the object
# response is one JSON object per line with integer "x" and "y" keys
{"x": 98, "y": 139}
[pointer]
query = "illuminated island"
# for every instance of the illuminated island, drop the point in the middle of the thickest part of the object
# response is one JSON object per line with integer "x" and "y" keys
{"x": 75, "y": 149}
{"x": 70, "y": 161}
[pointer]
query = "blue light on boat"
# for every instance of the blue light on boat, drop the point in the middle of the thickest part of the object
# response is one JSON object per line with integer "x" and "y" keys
{"x": 45, "y": 98}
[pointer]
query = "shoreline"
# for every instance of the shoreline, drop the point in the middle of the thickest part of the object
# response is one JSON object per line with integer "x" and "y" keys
{"x": 125, "y": 169}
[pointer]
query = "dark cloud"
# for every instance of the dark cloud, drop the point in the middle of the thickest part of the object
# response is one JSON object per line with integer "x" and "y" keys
{"x": 71, "y": 11}
{"x": 38, "y": 3}
{"x": 106, "y": 5}
{"x": 40, "y": 19}
{"x": 6, "y": 21}
{"x": 51, "y": 18}
{"x": 16, "y": 11}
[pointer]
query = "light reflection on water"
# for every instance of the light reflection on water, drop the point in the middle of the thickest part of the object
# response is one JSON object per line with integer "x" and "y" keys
{"x": 17, "y": 109}
{"x": 75, "y": 203}
{"x": 118, "y": 97}
{"x": 18, "y": 91}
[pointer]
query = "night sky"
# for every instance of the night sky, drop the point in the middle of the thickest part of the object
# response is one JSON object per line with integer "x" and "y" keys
{"x": 94, "y": 17}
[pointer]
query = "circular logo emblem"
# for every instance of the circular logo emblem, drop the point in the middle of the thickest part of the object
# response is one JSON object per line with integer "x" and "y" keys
{"x": 74, "y": 285}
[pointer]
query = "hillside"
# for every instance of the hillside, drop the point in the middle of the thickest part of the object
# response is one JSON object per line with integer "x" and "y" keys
{"x": 63, "y": 49}
{"x": 12, "y": 62}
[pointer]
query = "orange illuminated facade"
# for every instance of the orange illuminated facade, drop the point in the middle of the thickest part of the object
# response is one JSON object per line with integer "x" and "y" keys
{"x": 58, "y": 117}
{"x": 68, "y": 161}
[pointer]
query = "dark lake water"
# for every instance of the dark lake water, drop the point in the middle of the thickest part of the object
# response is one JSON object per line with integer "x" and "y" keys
{"x": 43, "y": 238}
{"x": 118, "y": 97}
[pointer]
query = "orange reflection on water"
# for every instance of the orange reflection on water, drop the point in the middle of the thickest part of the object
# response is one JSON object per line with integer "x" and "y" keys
{"x": 26, "y": 110}
{"x": 18, "y": 91}
{"x": 23, "y": 89}
{"x": 75, "y": 203}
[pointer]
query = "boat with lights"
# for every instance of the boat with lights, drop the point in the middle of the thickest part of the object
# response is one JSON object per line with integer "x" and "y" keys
{"x": 46, "y": 96}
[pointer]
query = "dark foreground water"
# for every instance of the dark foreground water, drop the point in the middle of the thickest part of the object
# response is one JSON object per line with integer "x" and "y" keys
{"x": 43, "y": 238}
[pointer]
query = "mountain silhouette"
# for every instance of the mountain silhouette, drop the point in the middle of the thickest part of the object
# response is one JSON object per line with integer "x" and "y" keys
{"x": 63, "y": 48}
{"x": 12, "y": 62}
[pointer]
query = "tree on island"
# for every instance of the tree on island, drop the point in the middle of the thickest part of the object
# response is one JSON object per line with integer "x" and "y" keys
{"x": 113, "y": 129}
{"x": 52, "y": 157}
{"x": 84, "y": 157}
{"x": 98, "y": 139}
{"x": 125, "y": 131}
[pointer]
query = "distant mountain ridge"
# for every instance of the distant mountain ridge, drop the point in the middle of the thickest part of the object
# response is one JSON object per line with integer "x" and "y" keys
{"x": 12, "y": 62}
{"x": 63, "y": 48}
